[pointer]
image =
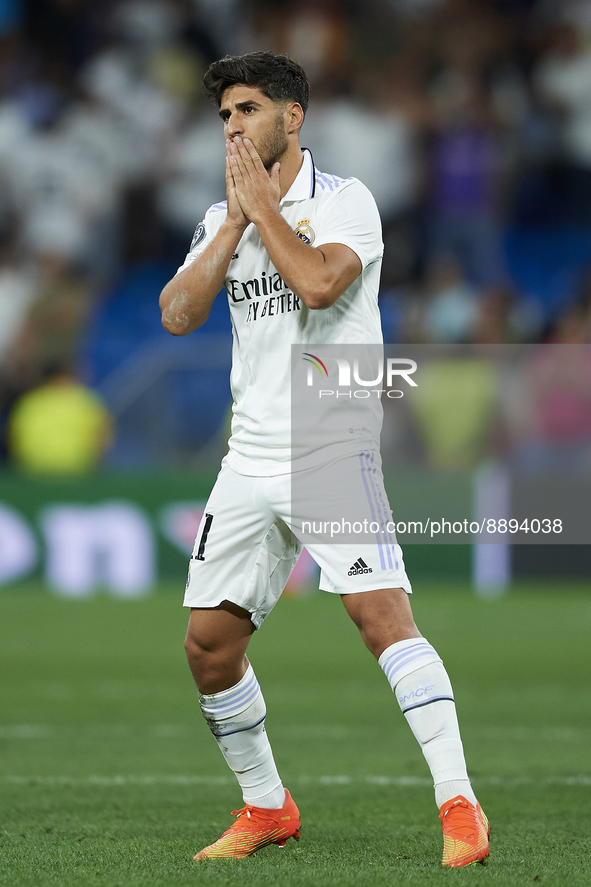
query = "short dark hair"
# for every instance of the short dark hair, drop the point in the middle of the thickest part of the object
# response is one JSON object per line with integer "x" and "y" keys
{"x": 277, "y": 76}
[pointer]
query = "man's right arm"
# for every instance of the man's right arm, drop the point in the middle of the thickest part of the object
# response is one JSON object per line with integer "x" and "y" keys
{"x": 186, "y": 300}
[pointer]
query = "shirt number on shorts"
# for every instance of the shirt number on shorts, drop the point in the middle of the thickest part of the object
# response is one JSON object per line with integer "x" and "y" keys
{"x": 204, "y": 535}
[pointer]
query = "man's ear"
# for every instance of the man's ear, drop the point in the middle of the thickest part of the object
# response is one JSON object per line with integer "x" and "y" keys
{"x": 295, "y": 117}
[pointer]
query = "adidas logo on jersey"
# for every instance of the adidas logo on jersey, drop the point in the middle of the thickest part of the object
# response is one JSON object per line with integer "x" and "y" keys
{"x": 359, "y": 567}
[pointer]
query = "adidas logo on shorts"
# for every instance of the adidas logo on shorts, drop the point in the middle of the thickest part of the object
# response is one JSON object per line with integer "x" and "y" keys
{"x": 359, "y": 567}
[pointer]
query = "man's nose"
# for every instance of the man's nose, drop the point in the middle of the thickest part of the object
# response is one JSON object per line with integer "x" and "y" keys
{"x": 233, "y": 126}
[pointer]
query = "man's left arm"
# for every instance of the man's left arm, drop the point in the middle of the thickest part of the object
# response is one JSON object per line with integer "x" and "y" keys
{"x": 318, "y": 275}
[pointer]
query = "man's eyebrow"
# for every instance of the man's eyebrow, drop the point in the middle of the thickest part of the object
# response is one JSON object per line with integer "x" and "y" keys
{"x": 240, "y": 106}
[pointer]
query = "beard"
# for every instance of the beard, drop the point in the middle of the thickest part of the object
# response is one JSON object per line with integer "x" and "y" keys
{"x": 273, "y": 144}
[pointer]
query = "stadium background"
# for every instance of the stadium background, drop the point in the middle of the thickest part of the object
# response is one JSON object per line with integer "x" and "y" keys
{"x": 470, "y": 121}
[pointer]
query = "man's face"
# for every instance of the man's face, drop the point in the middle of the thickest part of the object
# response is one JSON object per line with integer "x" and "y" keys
{"x": 248, "y": 113}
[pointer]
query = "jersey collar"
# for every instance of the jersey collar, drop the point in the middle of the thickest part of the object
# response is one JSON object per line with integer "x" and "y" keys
{"x": 304, "y": 184}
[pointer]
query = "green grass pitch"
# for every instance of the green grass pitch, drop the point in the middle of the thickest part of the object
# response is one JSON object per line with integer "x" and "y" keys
{"x": 108, "y": 776}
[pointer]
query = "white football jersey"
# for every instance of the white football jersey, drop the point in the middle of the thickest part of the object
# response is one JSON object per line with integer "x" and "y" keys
{"x": 268, "y": 318}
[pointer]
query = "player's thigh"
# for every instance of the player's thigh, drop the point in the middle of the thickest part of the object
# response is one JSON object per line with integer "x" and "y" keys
{"x": 354, "y": 542}
{"x": 243, "y": 552}
{"x": 349, "y": 569}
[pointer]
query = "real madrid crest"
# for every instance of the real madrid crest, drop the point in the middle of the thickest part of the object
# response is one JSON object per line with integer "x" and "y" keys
{"x": 305, "y": 232}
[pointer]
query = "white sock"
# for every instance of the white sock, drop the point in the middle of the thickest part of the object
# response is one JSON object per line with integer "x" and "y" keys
{"x": 445, "y": 791}
{"x": 423, "y": 690}
{"x": 236, "y": 717}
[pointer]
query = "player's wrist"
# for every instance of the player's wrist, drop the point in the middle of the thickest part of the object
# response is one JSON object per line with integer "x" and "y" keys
{"x": 266, "y": 217}
{"x": 235, "y": 227}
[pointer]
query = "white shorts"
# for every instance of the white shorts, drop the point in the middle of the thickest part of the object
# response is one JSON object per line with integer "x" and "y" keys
{"x": 248, "y": 543}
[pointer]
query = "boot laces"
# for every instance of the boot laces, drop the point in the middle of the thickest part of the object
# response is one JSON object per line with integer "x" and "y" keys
{"x": 246, "y": 809}
{"x": 463, "y": 818}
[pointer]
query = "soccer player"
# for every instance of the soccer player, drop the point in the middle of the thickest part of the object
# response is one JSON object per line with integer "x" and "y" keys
{"x": 299, "y": 254}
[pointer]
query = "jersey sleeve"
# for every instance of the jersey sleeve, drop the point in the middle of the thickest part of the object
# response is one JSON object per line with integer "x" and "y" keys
{"x": 204, "y": 233}
{"x": 351, "y": 217}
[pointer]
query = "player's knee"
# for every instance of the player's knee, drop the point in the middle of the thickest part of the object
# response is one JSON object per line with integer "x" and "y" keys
{"x": 198, "y": 654}
{"x": 203, "y": 664}
{"x": 191, "y": 647}
{"x": 211, "y": 666}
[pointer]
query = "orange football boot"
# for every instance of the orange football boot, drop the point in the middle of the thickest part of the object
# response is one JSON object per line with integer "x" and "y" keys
{"x": 466, "y": 831}
{"x": 255, "y": 827}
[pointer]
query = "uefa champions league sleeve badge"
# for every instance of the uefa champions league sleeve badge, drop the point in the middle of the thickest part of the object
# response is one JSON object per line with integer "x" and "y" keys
{"x": 198, "y": 236}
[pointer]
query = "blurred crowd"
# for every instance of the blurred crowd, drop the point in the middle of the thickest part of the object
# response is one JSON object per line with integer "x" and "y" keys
{"x": 469, "y": 120}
